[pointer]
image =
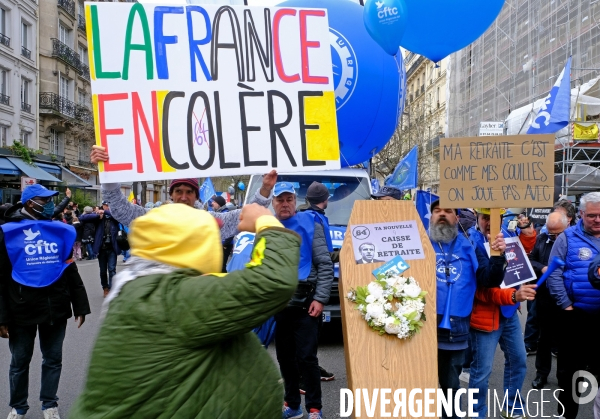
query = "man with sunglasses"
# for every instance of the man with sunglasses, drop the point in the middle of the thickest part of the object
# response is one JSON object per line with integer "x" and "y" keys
{"x": 38, "y": 285}
{"x": 547, "y": 310}
{"x": 579, "y": 301}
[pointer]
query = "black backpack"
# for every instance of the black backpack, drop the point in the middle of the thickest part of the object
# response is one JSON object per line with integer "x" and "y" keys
{"x": 122, "y": 241}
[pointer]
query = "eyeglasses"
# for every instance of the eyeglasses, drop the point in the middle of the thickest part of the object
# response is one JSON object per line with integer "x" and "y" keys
{"x": 591, "y": 216}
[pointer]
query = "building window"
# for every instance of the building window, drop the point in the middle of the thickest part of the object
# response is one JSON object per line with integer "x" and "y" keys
{"x": 84, "y": 151}
{"x": 3, "y": 20}
{"x": 64, "y": 34}
{"x": 4, "y": 83}
{"x": 25, "y": 50}
{"x": 64, "y": 88}
{"x": 81, "y": 10}
{"x": 437, "y": 95}
{"x": 25, "y": 85}
{"x": 4, "y": 136}
{"x": 57, "y": 144}
{"x": 82, "y": 98}
{"x": 83, "y": 54}
{"x": 24, "y": 138}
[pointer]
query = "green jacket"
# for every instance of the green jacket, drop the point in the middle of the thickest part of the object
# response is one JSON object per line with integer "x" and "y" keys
{"x": 180, "y": 345}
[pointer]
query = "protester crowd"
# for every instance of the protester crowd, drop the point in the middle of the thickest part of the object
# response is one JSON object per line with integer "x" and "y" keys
{"x": 274, "y": 275}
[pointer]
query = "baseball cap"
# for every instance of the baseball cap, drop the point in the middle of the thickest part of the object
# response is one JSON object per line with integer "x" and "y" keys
{"x": 389, "y": 191}
{"x": 283, "y": 187}
{"x": 105, "y": 203}
{"x": 36, "y": 190}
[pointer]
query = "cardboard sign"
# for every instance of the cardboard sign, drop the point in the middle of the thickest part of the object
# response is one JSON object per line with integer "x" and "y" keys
{"x": 196, "y": 91}
{"x": 518, "y": 268}
{"x": 504, "y": 172}
{"x": 382, "y": 242}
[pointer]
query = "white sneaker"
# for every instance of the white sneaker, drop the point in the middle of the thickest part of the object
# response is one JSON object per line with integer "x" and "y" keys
{"x": 51, "y": 413}
{"x": 14, "y": 415}
{"x": 464, "y": 377}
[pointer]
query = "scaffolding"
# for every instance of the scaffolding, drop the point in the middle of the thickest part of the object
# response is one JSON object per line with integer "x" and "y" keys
{"x": 516, "y": 62}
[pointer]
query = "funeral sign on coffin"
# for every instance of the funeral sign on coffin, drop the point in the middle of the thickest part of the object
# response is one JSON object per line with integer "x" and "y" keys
{"x": 382, "y": 242}
{"x": 198, "y": 91}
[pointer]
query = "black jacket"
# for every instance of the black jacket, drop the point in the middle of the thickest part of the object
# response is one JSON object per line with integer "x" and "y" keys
{"x": 78, "y": 226}
{"x": 89, "y": 228}
{"x": 99, "y": 223}
{"x": 23, "y": 305}
{"x": 540, "y": 254}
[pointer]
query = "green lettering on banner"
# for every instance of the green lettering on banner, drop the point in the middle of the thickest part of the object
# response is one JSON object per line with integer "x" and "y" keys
{"x": 100, "y": 74}
{"x": 145, "y": 47}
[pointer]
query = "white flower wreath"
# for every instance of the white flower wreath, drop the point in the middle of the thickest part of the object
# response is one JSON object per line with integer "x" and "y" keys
{"x": 393, "y": 304}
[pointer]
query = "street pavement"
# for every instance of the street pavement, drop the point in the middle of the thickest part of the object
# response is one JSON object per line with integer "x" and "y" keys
{"x": 78, "y": 345}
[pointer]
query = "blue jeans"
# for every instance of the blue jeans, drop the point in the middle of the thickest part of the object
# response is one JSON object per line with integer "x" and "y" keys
{"x": 483, "y": 347}
{"x": 90, "y": 250}
{"x": 107, "y": 259}
{"x": 21, "y": 343}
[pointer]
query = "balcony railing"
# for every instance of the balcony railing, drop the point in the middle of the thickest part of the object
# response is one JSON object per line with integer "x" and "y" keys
{"x": 56, "y": 103}
{"x": 25, "y": 52}
{"x": 87, "y": 163}
{"x": 85, "y": 71}
{"x": 65, "y": 53}
{"x": 81, "y": 22}
{"x": 26, "y": 107}
{"x": 68, "y": 6}
{"x": 5, "y": 100}
{"x": 4, "y": 40}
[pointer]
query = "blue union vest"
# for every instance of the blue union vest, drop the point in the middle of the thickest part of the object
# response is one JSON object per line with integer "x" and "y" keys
{"x": 38, "y": 250}
{"x": 303, "y": 224}
{"x": 462, "y": 268}
{"x": 322, "y": 219}
{"x": 580, "y": 253}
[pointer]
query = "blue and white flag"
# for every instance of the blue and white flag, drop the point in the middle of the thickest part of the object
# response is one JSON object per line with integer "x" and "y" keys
{"x": 554, "y": 113}
{"x": 405, "y": 174}
{"x": 207, "y": 191}
{"x": 375, "y": 185}
{"x": 423, "y": 204}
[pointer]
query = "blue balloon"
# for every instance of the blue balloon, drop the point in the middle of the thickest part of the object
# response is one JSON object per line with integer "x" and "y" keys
{"x": 369, "y": 89}
{"x": 385, "y": 21}
{"x": 460, "y": 23}
{"x": 241, "y": 186}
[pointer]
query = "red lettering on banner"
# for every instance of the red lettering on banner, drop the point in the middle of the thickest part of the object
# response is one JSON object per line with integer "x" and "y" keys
{"x": 305, "y": 44}
{"x": 105, "y": 132}
{"x": 153, "y": 140}
{"x": 277, "y": 49}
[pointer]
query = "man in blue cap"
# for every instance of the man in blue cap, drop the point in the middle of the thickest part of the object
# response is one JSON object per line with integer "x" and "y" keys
{"x": 297, "y": 328}
{"x": 38, "y": 285}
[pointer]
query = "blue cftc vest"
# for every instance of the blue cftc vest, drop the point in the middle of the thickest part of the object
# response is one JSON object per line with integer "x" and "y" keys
{"x": 462, "y": 268}
{"x": 303, "y": 224}
{"x": 322, "y": 219}
{"x": 580, "y": 253}
{"x": 242, "y": 251}
{"x": 38, "y": 250}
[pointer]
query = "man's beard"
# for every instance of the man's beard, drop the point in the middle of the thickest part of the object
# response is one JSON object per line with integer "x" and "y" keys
{"x": 443, "y": 232}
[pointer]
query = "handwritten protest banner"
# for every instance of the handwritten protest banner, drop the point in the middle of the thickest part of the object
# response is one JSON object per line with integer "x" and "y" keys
{"x": 508, "y": 171}
{"x": 190, "y": 90}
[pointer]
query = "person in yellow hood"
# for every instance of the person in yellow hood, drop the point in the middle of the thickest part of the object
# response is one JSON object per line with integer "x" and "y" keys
{"x": 176, "y": 339}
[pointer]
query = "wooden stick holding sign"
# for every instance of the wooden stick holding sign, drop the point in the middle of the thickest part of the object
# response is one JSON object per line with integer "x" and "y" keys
{"x": 495, "y": 225}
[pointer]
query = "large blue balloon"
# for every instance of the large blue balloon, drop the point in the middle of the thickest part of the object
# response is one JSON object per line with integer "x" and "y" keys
{"x": 368, "y": 87}
{"x": 457, "y": 24}
{"x": 385, "y": 21}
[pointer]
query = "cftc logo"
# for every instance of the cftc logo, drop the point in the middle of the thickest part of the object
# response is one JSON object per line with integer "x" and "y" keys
{"x": 584, "y": 387}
